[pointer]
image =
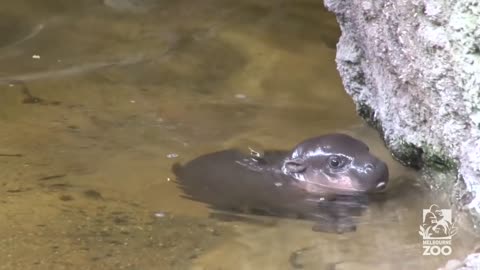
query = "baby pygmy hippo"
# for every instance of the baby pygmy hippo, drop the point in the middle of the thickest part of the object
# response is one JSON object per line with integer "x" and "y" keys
{"x": 325, "y": 179}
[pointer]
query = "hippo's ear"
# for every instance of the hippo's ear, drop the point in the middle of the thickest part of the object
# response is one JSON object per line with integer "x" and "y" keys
{"x": 294, "y": 165}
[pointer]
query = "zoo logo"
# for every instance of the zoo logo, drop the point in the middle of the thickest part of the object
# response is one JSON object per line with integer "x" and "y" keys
{"x": 437, "y": 230}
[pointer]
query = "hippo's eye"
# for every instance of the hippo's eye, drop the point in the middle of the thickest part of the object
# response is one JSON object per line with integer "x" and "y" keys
{"x": 335, "y": 162}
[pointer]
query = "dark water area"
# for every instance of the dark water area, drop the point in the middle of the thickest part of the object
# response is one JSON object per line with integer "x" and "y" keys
{"x": 98, "y": 99}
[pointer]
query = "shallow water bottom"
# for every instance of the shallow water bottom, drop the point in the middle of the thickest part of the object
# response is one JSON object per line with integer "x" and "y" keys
{"x": 122, "y": 213}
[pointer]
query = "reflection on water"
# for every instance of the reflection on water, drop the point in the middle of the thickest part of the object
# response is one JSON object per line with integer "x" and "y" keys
{"x": 100, "y": 98}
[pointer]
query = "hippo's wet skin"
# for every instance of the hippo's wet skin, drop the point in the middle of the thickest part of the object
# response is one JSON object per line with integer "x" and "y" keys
{"x": 325, "y": 179}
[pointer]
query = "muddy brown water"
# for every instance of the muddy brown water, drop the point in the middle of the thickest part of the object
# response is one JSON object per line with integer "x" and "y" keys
{"x": 99, "y": 98}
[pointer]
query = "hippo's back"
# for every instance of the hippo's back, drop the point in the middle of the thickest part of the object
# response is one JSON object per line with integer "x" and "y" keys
{"x": 221, "y": 181}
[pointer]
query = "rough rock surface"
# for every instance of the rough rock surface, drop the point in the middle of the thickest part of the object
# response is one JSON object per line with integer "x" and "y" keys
{"x": 413, "y": 69}
{"x": 471, "y": 262}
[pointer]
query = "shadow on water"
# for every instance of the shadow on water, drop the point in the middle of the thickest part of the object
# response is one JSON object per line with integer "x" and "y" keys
{"x": 191, "y": 66}
{"x": 98, "y": 99}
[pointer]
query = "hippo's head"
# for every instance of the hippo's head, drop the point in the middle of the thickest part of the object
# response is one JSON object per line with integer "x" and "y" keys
{"x": 335, "y": 163}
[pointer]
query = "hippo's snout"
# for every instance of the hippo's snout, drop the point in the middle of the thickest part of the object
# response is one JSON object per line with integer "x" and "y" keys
{"x": 371, "y": 174}
{"x": 380, "y": 175}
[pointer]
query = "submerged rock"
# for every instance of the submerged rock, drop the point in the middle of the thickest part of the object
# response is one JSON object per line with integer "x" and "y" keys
{"x": 135, "y": 6}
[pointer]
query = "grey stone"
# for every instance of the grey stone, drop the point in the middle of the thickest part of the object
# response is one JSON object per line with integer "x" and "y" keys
{"x": 471, "y": 262}
{"x": 413, "y": 69}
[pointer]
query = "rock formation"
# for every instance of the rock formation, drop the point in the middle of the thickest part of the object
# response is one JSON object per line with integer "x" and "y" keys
{"x": 413, "y": 69}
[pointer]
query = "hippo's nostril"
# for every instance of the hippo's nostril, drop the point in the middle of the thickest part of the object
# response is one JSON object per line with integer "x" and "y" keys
{"x": 369, "y": 167}
{"x": 381, "y": 186}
